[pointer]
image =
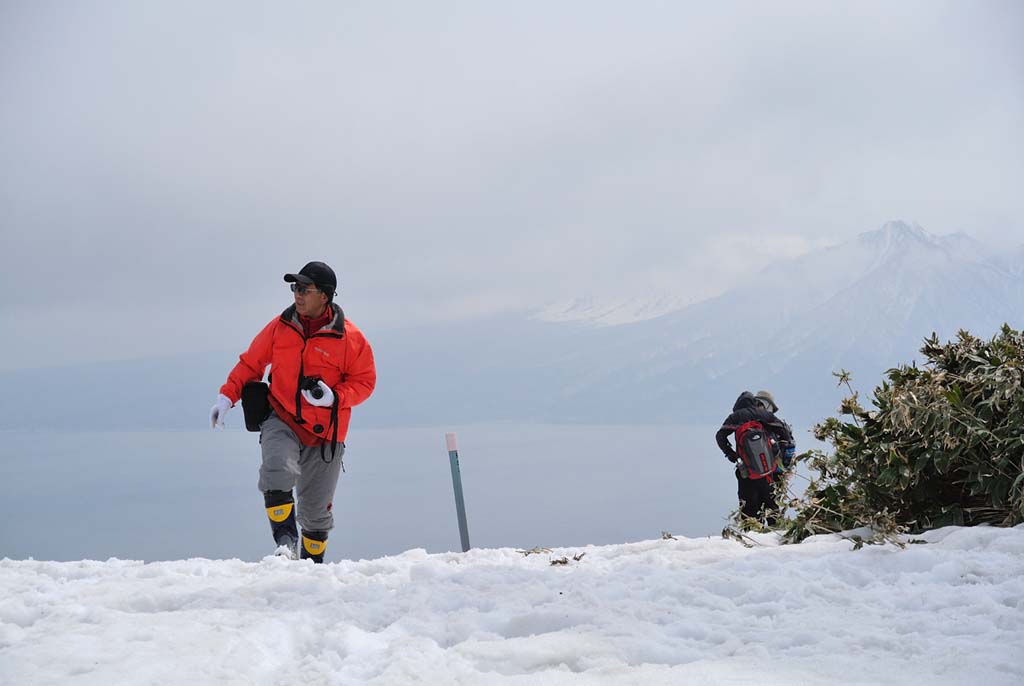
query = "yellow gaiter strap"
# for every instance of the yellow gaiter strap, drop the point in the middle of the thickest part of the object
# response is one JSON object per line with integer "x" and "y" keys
{"x": 314, "y": 547}
{"x": 279, "y": 513}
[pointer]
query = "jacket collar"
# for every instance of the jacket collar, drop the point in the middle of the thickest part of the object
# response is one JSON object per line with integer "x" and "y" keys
{"x": 335, "y": 326}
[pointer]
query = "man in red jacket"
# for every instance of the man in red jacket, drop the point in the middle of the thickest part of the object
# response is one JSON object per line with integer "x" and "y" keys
{"x": 321, "y": 366}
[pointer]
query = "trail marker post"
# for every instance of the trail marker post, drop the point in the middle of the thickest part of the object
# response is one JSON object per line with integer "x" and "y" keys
{"x": 460, "y": 505}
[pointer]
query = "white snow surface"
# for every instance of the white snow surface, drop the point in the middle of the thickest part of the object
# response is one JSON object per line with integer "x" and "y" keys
{"x": 701, "y": 611}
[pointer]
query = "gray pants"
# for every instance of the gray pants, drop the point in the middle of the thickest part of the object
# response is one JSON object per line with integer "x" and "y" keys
{"x": 287, "y": 464}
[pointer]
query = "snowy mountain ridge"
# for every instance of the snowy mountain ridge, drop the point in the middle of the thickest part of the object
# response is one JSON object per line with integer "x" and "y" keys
{"x": 826, "y": 271}
{"x": 594, "y": 311}
{"x": 864, "y": 305}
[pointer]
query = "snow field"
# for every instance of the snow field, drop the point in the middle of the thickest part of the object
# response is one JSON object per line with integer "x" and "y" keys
{"x": 950, "y": 611}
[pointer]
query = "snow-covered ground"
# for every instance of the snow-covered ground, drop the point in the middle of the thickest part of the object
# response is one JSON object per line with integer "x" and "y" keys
{"x": 702, "y": 611}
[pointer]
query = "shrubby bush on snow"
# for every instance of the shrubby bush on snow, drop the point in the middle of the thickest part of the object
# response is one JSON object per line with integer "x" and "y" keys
{"x": 943, "y": 444}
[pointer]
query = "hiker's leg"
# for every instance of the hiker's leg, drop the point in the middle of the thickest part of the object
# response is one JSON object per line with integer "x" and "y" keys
{"x": 771, "y": 507}
{"x": 278, "y": 472}
{"x": 318, "y": 479}
{"x": 749, "y": 496}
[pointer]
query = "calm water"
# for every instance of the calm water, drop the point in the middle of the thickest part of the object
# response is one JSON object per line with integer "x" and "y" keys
{"x": 173, "y": 495}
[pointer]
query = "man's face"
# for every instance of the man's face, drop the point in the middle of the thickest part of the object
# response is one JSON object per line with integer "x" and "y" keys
{"x": 310, "y": 301}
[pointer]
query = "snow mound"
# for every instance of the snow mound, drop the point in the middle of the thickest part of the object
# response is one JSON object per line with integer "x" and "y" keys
{"x": 709, "y": 611}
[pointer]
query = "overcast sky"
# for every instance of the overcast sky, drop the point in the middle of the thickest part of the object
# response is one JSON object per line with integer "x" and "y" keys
{"x": 163, "y": 164}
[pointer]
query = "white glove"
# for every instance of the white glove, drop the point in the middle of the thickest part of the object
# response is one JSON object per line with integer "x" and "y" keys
{"x": 326, "y": 401}
{"x": 218, "y": 411}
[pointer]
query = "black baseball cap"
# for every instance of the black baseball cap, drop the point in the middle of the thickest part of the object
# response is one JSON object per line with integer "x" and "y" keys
{"x": 316, "y": 273}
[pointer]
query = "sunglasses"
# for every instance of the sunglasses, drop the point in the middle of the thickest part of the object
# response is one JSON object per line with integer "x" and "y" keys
{"x": 303, "y": 288}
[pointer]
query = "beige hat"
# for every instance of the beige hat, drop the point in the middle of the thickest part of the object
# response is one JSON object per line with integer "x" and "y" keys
{"x": 765, "y": 395}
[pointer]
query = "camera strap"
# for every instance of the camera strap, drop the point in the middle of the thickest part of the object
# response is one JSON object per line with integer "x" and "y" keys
{"x": 334, "y": 436}
{"x": 298, "y": 393}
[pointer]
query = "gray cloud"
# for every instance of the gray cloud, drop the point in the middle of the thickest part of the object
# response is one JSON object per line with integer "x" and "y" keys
{"x": 458, "y": 158}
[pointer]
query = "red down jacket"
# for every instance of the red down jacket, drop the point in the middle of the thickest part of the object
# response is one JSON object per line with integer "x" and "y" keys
{"x": 338, "y": 354}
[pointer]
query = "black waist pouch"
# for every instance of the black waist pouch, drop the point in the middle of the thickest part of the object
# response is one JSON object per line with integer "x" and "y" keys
{"x": 255, "y": 404}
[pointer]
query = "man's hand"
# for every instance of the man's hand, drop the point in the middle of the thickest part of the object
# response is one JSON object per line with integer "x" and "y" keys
{"x": 218, "y": 411}
{"x": 324, "y": 401}
{"x": 732, "y": 457}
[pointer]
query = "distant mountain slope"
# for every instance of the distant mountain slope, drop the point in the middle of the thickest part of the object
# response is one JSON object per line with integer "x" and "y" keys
{"x": 863, "y": 306}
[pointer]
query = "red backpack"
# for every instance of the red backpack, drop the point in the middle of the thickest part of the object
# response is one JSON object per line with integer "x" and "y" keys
{"x": 756, "y": 450}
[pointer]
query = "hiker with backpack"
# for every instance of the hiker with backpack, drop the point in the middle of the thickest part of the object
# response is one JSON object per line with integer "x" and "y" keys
{"x": 764, "y": 449}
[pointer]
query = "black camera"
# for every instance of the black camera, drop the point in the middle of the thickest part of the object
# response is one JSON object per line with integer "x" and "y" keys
{"x": 312, "y": 384}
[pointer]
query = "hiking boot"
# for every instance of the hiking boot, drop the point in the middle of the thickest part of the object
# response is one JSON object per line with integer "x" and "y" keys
{"x": 314, "y": 544}
{"x": 281, "y": 513}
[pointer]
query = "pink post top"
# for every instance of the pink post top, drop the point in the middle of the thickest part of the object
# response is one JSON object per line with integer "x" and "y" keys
{"x": 450, "y": 440}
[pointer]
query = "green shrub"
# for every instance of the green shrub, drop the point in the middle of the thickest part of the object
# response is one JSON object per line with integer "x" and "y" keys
{"x": 943, "y": 445}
